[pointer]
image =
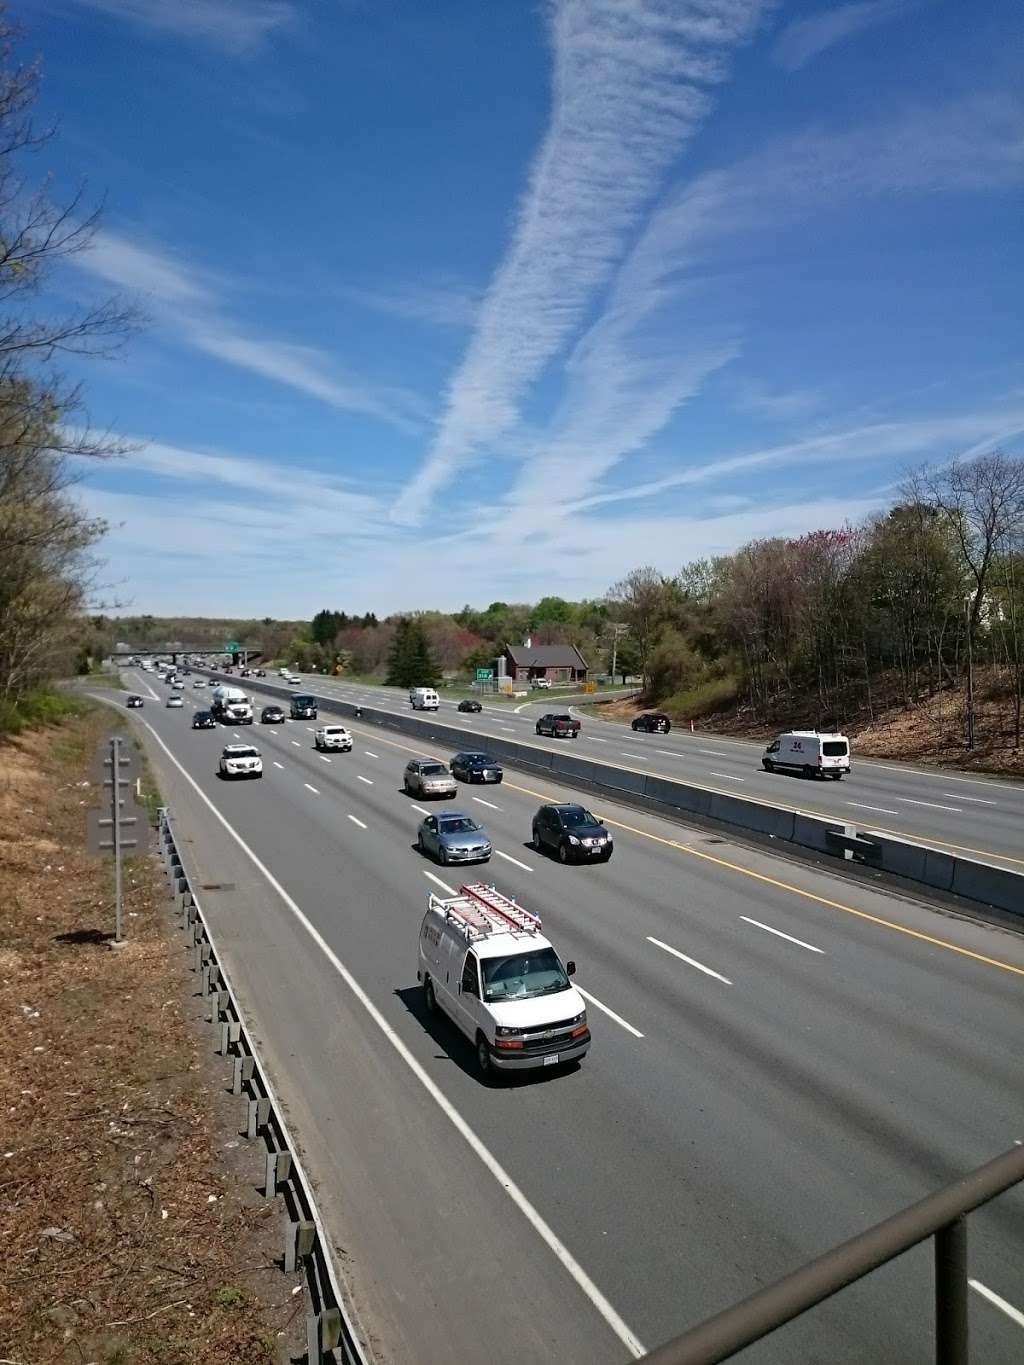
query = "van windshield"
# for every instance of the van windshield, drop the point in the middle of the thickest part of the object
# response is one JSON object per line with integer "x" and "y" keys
{"x": 524, "y": 974}
{"x": 834, "y": 748}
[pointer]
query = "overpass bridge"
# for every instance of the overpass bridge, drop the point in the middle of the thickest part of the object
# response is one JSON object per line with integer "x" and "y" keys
{"x": 236, "y": 651}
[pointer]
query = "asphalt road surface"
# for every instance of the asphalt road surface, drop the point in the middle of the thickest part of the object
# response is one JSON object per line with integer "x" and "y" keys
{"x": 781, "y": 1058}
{"x": 978, "y": 816}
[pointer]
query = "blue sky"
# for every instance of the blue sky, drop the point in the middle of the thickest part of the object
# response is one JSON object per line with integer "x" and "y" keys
{"x": 459, "y": 300}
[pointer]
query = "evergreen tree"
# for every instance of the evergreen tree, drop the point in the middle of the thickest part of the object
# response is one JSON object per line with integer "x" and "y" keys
{"x": 400, "y": 660}
{"x": 423, "y": 662}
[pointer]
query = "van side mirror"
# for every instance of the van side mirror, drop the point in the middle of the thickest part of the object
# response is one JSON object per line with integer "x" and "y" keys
{"x": 570, "y": 968}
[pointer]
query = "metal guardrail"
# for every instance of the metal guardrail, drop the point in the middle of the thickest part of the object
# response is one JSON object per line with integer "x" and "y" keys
{"x": 942, "y": 1215}
{"x": 330, "y": 1334}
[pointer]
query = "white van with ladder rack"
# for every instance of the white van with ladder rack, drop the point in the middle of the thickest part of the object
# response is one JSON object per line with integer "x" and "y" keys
{"x": 484, "y": 961}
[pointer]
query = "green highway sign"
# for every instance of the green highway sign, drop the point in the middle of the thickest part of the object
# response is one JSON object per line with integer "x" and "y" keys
{"x": 482, "y": 674}
{"x": 232, "y": 647}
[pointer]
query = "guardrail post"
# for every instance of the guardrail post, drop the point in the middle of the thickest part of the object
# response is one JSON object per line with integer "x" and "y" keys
{"x": 229, "y": 1033}
{"x": 218, "y": 1005}
{"x": 323, "y": 1333}
{"x": 951, "y": 1293}
{"x": 258, "y": 1113}
{"x": 279, "y": 1168}
{"x": 242, "y": 1072}
{"x": 298, "y": 1243}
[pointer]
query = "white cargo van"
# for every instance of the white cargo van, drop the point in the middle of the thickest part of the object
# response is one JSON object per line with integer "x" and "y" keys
{"x": 423, "y": 699}
{"x": 811, "y": 752}
{"x": 484, "y": 961}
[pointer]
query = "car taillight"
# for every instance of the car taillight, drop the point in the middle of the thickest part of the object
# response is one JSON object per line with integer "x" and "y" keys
{"x": 579, "y": 1032}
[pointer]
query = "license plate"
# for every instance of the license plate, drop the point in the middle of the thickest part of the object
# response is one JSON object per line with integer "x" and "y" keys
{"x": 551, "y": 1059}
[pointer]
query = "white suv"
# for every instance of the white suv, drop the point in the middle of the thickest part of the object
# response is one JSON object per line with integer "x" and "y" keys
{"x": 332, "y": 737}
{"x": 241, "y": 760}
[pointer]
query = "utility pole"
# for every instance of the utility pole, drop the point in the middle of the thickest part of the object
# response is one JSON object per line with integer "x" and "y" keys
{"x": 970, "y": 674}
{"x": 618, "y": 628}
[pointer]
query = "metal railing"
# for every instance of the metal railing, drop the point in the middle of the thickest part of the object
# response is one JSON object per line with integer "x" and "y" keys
{"x": 942, "y": 1215}
{"x": 330, "y": 1334}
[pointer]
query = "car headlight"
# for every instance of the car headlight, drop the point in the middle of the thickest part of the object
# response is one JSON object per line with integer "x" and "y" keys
{"x": 573, "y": 839}
{"x": 507, "y": 1033}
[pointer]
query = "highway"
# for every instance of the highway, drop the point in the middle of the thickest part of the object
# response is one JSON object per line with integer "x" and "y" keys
{"x": 978, "y": 816}
{"x": 781, "y": 1058}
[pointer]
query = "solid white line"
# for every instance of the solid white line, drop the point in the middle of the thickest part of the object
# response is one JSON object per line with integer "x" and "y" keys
{"x": 367, "y": 780}
{"x": 1014, "y": 1314}
{"x": 357, "y": 822}
{"x": 323, "y": 758}
{"x": 974, "y": 800}
{"x": 727, "y": 776}
{"x": 768, "y": 929}
{"x": 489, "y": 804}
{"x": 882, "y": 810}
{"x": 931, "y": 804}
{"x": 276, "y": 764}
{"x": 560, "y": 1251}
{"x": 509, "y": 859}
{"x": 419, "y": 810}
{"x": 610, "y": 1013}
{"x": 443, "y": 885}
{"x": 312, "y": 789}
{"x": 368, "y": 754}
{"x": 692, "y": 961}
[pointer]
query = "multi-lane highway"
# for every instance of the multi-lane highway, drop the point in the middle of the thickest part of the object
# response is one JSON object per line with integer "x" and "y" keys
{"x": 781, "y": 1058}
{"x": 978, "y": 816}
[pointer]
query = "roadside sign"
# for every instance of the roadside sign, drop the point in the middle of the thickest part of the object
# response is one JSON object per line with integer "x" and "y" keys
{"x": 232, "y": 647}
{"x": 590, "y": 687}
{"x": 484, "y": 674}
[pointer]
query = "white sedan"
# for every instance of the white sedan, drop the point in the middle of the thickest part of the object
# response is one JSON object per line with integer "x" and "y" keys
{"x": 199, "y": 682}
{"x": 241, "y": 760}
{"x": 175, "y": 700}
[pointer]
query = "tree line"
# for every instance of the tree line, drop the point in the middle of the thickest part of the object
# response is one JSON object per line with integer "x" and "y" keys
{"x": 46, "y": 570}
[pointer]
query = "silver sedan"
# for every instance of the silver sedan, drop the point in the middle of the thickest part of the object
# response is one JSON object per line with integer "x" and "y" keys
{"x": 453, "y": 838}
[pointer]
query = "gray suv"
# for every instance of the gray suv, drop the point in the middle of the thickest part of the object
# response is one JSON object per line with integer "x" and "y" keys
{"x": 428, "y": 777}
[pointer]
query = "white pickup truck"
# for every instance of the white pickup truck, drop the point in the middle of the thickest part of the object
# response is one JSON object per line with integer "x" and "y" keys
{"x": 332, "y": 737}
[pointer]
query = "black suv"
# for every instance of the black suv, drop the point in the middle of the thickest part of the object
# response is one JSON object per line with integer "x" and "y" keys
{"x": 271, "y": 715}
{"x": 654, "y": 722}
{"x": 468, "y": 704}
{"x": 303, "y": 707}
{"x": 476, "y": 768}
{"x": 573, "y": 833}
{"x": 202, "y": 720}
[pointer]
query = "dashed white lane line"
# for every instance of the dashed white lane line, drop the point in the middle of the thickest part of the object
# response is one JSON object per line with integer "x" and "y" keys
{"x": 369, "y": 754}
{"x": 312, "y": 789}
{"x": 367, "y": 780}
{"x": 443, "y": 885}
{"x": 1014, "y": 1314}
{"x": 882, "y": 810}
{"x": 778, "y": 932}
{"x": 728, "y": 777}
{"x": 509, "y": 859}
{"x": 310, "y": 729}
{"x": 933, "y": 805}
{"x": 594, "y": 740}
{"x": 420, "y": 811}
{"x": 642, "y": 758}
{"x": 234, "y": 736}
{"x": 716, "y": 753}
{"x": 276, "y": 764}
{"x": 974, "y": 800}
{"x": 669, "y": 753}
{"x": 323, "y": 758}
{"x": 610, "y": 1013}
{"x": 297, "y": 744}
{"x": 357, "y": 822}
{"x": 489, "y": 804}
{"x": 692, "y": 961}
{"x": 273, "y": 732}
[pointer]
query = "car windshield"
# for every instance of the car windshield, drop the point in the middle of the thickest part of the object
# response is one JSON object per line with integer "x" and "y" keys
{"x": 457, "y": 824}
{"x": 524, "y": 974}
{"x": 478, "y": 760}
{"x": 577, "y": 815}
{"x": 834, "y": 748}
{"x": 244, "y": 753}
{"x": 434, "y": 770}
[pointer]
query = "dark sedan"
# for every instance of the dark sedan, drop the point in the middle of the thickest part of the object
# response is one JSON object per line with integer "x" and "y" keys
{"x": 654, "y": 722}
{"x": 477, "y": 768}
{"x": 202, "y": 720}
{"x": 271, "y": 715}
{"x": 133, "y": 700}
{"x": 470, "y": 706}
{"x": 572, "y": 833}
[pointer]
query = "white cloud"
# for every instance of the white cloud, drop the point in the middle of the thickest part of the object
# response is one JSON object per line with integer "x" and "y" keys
{"x": 236, "y": 27}
{"x": 804, "y": 39}
{"x": 445, "y": 303}
{"x": 631, "y": 87}
{"x": 779, "y": 404}
{"x": 188, "y": 300}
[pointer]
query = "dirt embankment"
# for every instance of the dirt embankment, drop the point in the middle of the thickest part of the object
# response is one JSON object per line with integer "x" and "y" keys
{"x": 931, "y": 732}
{"x": 130, "y": 1220}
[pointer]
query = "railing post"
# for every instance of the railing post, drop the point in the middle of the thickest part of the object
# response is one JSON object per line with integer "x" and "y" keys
{"x": 951, "y": 1293}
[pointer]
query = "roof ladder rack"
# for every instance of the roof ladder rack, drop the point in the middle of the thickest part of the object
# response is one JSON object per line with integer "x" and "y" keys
{"x": 502, "y": 906}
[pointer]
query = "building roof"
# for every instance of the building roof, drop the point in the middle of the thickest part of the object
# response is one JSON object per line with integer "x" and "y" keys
{"x": 546, "y": 656}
